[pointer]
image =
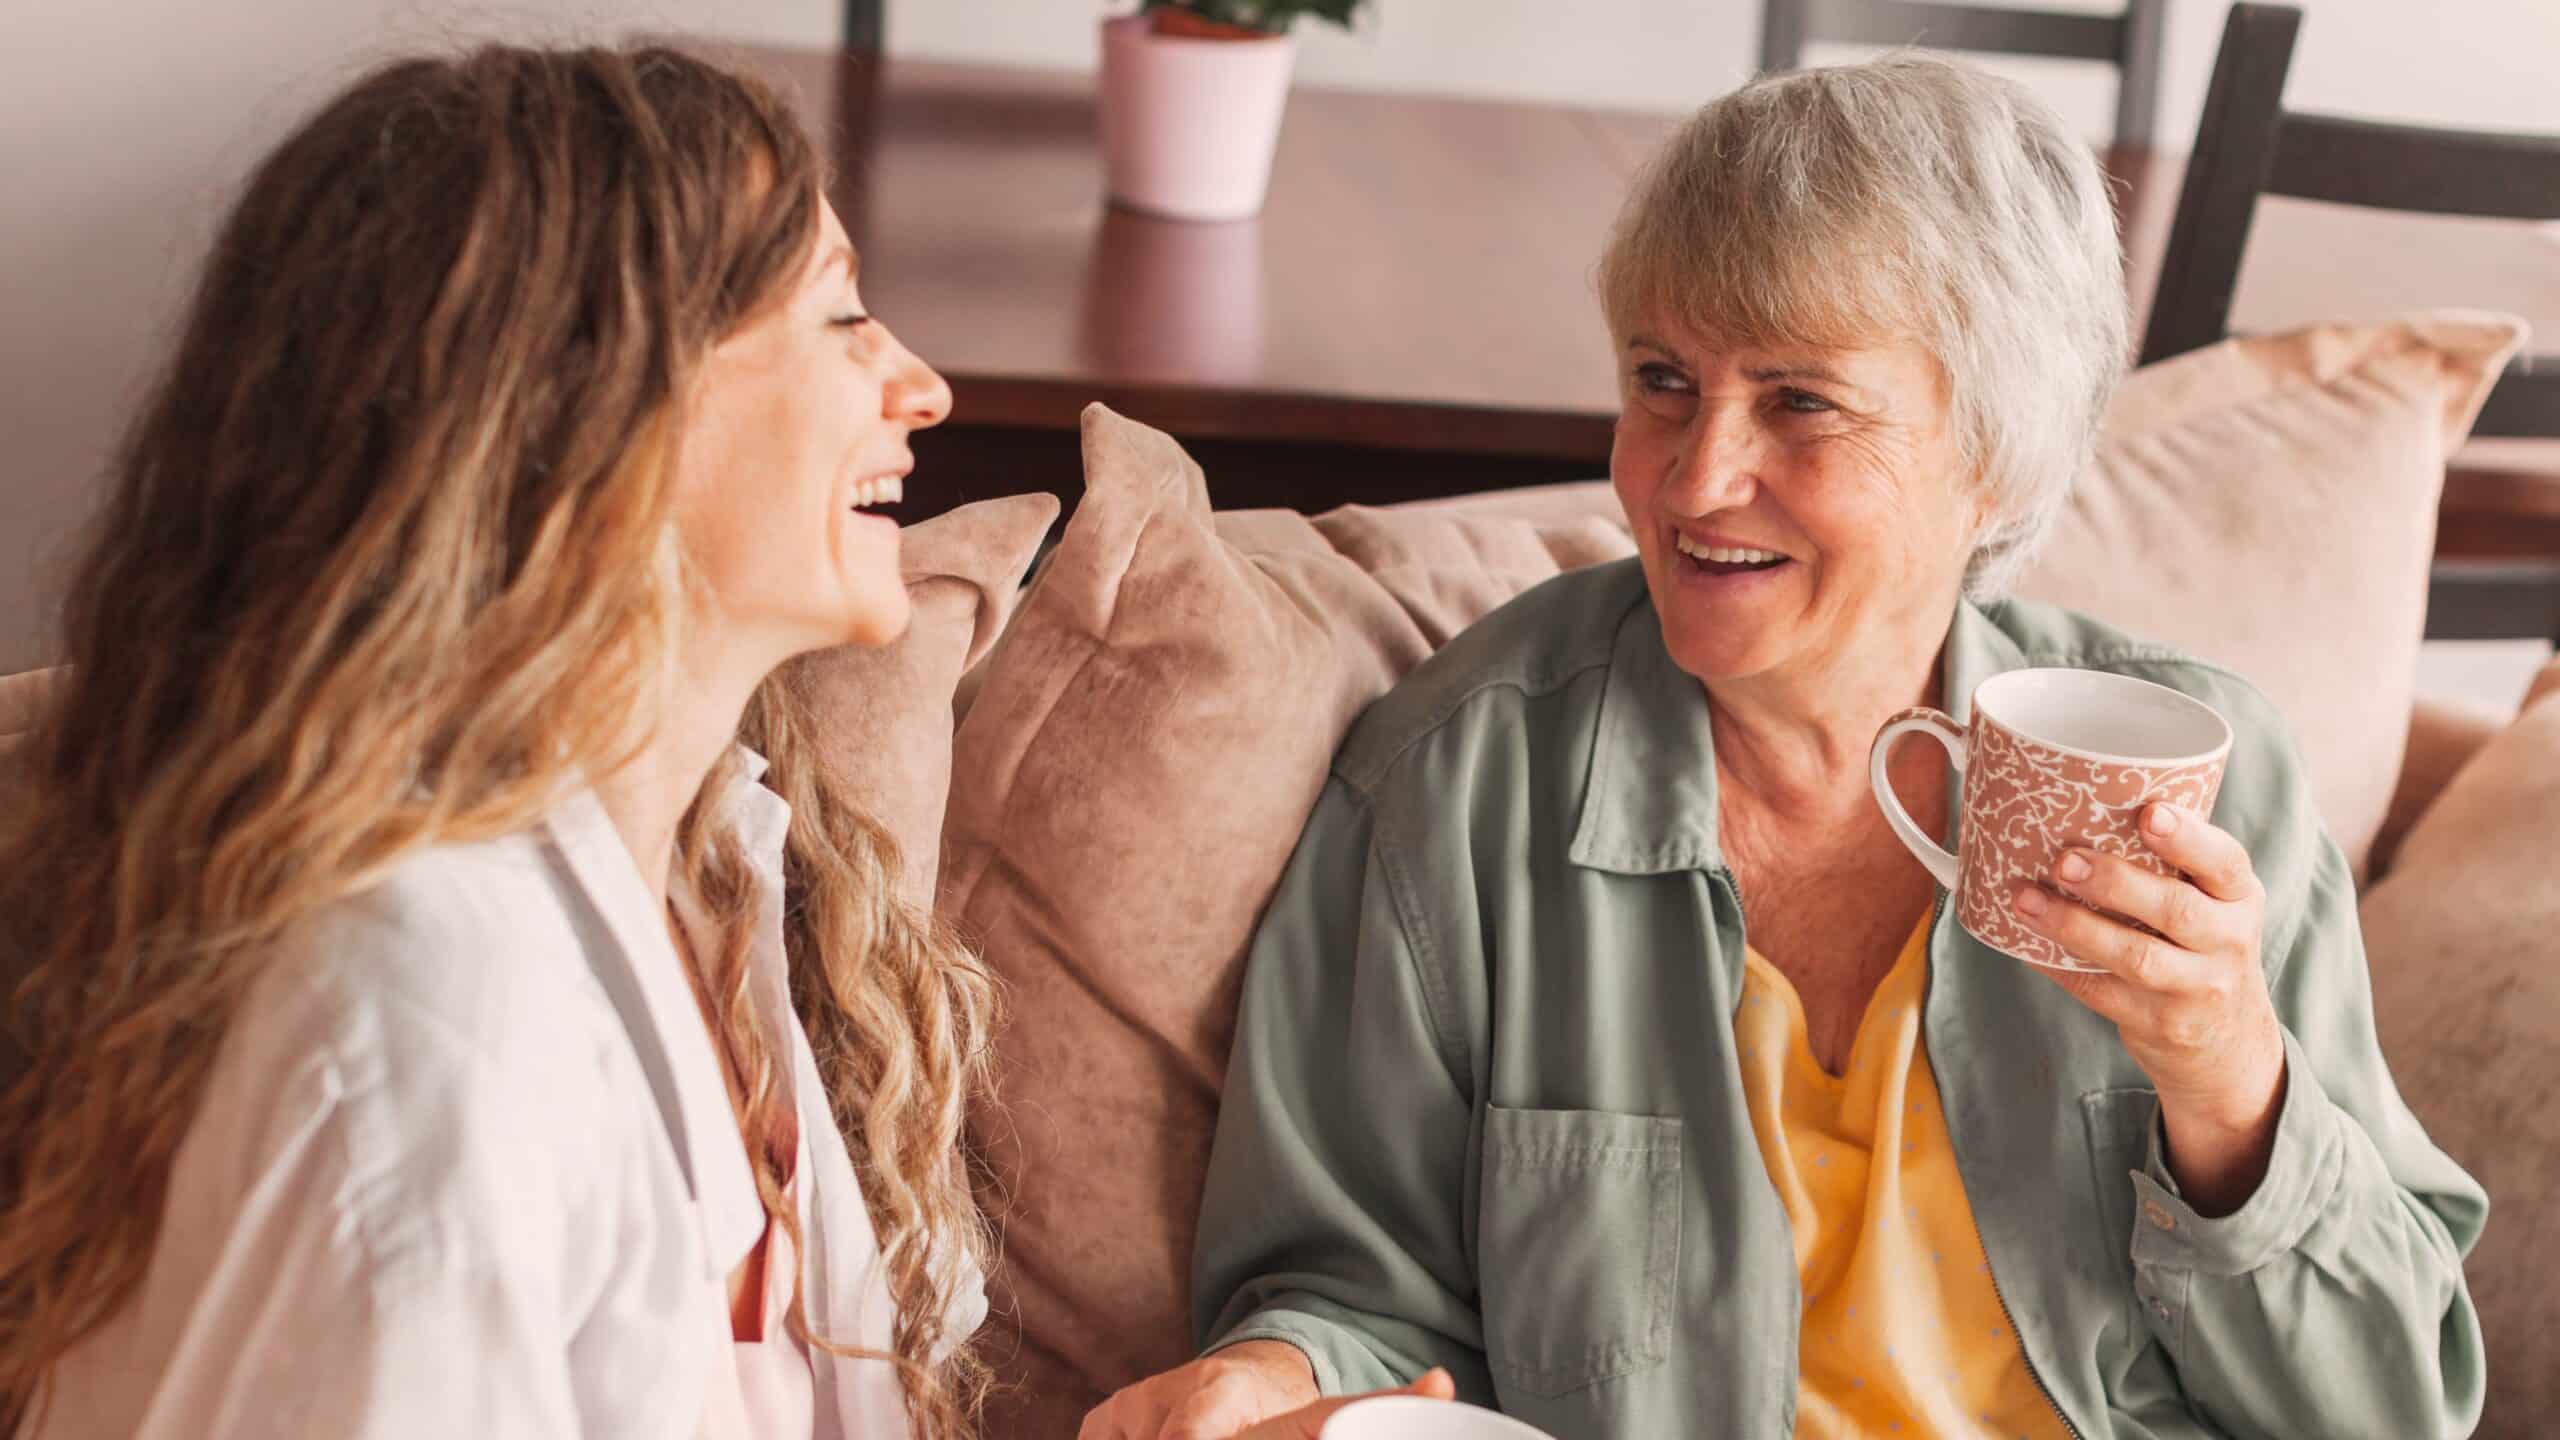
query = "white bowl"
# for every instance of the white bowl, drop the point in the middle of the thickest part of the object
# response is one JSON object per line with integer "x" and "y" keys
{"x": 1410, "y": 1417}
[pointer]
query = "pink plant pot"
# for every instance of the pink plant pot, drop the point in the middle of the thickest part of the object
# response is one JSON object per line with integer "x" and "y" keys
{"x": 1189, "y": 125}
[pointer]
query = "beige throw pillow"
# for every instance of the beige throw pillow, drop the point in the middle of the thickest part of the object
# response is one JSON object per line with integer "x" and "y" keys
{"x": 2464, "y": 940}
{"x": 1147, "y": 739}
{"x": 2270, "y": 503}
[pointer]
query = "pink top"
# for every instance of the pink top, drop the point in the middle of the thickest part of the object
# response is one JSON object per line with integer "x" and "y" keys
{"x": 776, "y": 1389}
{"x": 777, "y": 1392}
{"x": 774, "y": 1384}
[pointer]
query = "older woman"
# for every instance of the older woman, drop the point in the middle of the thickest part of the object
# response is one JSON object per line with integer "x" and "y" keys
{"x": 1605, "y": 1049}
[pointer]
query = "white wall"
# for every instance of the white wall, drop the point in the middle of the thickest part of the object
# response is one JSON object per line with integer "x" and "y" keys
{"x": 124, "y": 125}
{"x": 2486, "y": 63}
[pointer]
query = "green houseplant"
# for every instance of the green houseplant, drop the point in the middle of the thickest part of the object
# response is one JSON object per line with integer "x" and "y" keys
{"x": 1241, "y": 19}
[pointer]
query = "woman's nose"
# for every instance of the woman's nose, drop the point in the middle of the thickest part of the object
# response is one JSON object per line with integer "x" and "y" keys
{"x": 1717, "y": 470}
{"x": 916, "y": 393}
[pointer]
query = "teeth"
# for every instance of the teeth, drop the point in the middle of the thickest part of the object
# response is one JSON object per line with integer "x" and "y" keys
{"x": 887, "y": 490}
{"x": 1726, "y": 555}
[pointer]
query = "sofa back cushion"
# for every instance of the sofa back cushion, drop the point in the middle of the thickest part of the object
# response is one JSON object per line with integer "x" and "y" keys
{"x": 1144, "y": 745}
{"x": 2466, "y": 987}
{"x": 2270, "y": 503}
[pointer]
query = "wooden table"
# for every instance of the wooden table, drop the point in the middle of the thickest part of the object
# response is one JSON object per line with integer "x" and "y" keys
{"x": 1414, "y": 307}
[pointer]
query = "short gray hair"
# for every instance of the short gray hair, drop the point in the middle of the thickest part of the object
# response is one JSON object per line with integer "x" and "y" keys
{"x": 1909, "y": 198}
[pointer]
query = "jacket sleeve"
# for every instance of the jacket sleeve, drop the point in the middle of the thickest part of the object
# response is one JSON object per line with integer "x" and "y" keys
{"x": 1334, "y": 1216}
{"x": 2332, "y": 1302}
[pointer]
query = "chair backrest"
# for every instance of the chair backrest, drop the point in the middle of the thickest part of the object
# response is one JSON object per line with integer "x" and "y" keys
{"x": 2130, "y": 40}
{"x": 862, "y": 25}
{"x": 2247, "y": 145}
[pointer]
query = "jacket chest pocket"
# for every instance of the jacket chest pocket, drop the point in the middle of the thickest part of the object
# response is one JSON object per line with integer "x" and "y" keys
{"x": 1579, "y": 1245}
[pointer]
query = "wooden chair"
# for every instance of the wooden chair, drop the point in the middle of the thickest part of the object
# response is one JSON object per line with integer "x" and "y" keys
{"x": 2130, "y": 41}
{"x": 2247, "y": 145}
{"x": 862, "y": 24}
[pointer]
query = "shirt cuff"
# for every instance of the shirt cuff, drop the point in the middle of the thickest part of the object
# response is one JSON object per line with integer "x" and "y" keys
{"x": 1342, "y": 1364}
{"x": 2303, "y": 1174}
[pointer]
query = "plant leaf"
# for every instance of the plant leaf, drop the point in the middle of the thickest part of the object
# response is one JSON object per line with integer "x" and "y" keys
{"x": 1271, "y": 16}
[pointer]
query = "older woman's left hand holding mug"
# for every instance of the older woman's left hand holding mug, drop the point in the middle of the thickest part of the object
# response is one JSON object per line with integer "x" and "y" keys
{"x": 2191, "y": 1001}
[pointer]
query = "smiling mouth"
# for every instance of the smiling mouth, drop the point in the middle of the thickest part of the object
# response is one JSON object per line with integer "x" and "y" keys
{"x": 886, "y": 490}
{"x": 1727, "y": 560}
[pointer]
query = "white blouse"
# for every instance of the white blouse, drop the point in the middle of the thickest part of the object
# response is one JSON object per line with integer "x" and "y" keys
{"x": 431, "y": 1190}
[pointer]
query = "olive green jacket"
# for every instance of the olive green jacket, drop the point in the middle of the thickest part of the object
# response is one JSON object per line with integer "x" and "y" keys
{"x": 1484, "y": 1111}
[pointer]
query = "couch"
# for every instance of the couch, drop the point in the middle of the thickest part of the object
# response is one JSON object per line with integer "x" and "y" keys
{"x": 1134, "y": 756}
{"x": 1099, "y": 777}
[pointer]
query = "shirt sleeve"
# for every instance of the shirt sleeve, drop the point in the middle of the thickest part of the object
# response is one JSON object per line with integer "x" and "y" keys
{"x": 375, "y": 1243}
{"x": 436, "y": 1346}
{"x": 1333, "y": 1214}
{"x": 2332, "y": 1302}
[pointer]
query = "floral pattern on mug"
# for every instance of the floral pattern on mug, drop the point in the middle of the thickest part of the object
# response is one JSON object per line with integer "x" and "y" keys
{"x": 2026, "y": 803}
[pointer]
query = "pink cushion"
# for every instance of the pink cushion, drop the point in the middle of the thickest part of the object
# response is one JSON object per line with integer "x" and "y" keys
{"x": 2466, "y": 988}
{"x": 1148, "y": 737}
{"x": 2443, "y": 736}
{"x": 888, "y": 711}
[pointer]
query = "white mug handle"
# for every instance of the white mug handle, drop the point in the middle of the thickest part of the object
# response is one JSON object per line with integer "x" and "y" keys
{"x": 1943, "y": 729}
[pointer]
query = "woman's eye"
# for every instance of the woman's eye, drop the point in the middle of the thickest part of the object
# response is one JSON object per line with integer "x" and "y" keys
{"x": 1657, "y": 379}
{"x": 1803, "y": 402}
{"x": 850, "y": 322}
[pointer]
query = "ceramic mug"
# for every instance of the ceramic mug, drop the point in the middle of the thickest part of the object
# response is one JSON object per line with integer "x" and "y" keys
{"x": 1410, "y": 1417}
{"x": 2053, "y": 759}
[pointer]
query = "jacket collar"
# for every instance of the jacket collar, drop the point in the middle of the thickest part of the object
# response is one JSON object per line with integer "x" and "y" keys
{"x": 1649, "y": 799}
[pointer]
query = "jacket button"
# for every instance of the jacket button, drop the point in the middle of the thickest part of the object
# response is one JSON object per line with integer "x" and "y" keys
{"x": 2158, "y": 1215}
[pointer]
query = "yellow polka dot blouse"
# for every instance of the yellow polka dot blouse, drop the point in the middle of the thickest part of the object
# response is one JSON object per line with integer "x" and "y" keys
{"x": 1903, "y": 1330}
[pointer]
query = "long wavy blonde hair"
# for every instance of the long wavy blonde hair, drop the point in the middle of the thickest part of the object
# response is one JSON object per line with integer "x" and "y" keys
{"x": 385, "y": 561}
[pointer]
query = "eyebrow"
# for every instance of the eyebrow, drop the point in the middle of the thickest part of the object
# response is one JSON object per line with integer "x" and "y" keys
{"x": 1768, "y": 373}
{"x": 1764, "y": 374}
{"x": 841, "y": 255}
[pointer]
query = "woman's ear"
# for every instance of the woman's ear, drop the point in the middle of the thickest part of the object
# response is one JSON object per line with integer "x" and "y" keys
{"x": 1975, "y": 510}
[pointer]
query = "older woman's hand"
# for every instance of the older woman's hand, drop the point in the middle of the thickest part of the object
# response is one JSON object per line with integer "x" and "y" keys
{"x": 1307, "y": 1423}
{"x": 2191, "y": 1002}
{"x": 1259, "y": 1390}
